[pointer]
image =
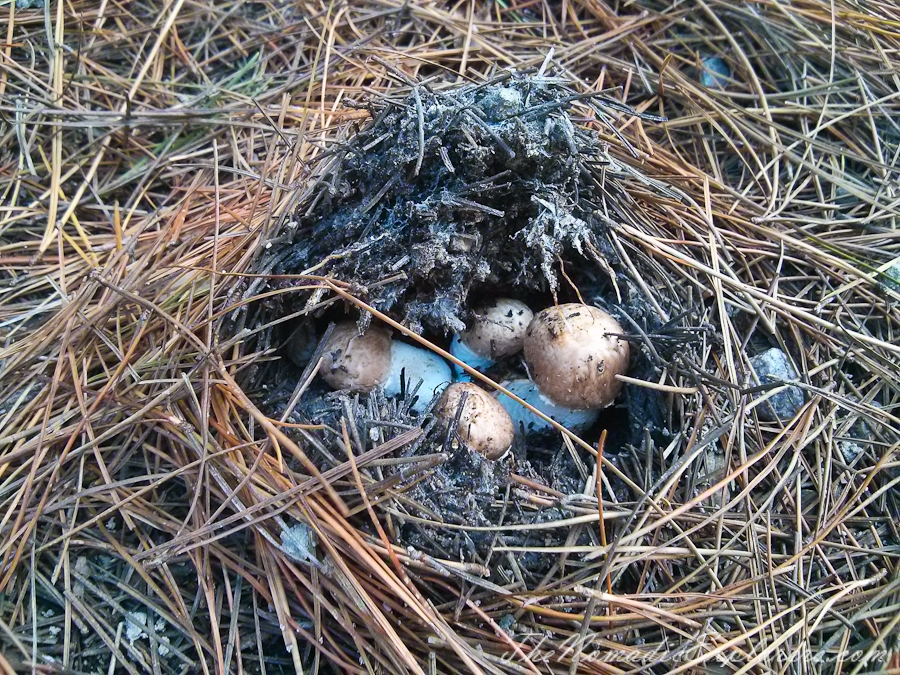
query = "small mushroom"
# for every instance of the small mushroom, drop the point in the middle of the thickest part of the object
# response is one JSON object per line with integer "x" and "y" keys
{"x": 355, "y": 362}
{"x": 573, "y": 356}
{"x": 497, "y": 330}
{"x": 484, "y": 424}
{"x": 526, "y": 421}
{"x": 361, "y": 363}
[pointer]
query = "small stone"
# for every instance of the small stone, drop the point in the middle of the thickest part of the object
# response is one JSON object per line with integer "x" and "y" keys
{"x": 890, "y": 278}
{"x": 773, "y": 365}
{"x": 462, "y": 243}
{"x": 850, "y": 450}
{"x": 134, "y": 623}
{"x": 714, "y": 72}
{"x": 506, "y": 623}
{"x": 864, "y": 427}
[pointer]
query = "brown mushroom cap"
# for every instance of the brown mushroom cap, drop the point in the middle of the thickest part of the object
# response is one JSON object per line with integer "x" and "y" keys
{"x": 356, "y": 362}
{"x": 484, "y": 425}
{"x": 572, "y": 357}
{"x": 498, "y": 328}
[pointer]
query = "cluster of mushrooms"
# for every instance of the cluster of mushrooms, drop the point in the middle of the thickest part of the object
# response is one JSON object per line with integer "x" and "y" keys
{"x": 572, "y": 352}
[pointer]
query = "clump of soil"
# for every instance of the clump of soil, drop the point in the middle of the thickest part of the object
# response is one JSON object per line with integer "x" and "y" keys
{"x": 446, "y": 192}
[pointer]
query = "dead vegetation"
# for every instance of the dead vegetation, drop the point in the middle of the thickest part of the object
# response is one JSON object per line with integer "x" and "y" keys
{"x": 163, "y": 511}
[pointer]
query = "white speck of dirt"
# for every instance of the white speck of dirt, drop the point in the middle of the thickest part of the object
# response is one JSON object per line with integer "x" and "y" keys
{"x": 850, "y": 450}
{"x": 83, "y": 569}
{"x": 299, "y": 542}
{"x": 133, "y": 630}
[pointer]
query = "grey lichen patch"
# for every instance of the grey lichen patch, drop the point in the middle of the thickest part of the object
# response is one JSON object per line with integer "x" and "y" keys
{"x": 460, "y": 188}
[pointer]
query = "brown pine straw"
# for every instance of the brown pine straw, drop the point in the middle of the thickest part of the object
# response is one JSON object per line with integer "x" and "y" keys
{"x": 148, "y": 150}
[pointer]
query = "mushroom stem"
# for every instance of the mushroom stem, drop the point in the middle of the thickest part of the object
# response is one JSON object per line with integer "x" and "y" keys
{"x": 412, "y": 365}
{"x": 527, "y": 422}
{"x": 497, "y": 330}
{"x": 460, "y": 350}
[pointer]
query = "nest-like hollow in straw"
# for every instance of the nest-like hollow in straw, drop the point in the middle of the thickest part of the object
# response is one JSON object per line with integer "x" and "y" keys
{"x": 446, "y": 197}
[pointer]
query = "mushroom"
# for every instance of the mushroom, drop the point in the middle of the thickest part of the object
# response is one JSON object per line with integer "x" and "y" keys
{"x": 355, "y": 362}
{"x": 484, "y": 425}
{"x": 573, "y": 356}
{"x": 497, "y": 330}
{"x": 362, "y": 362}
